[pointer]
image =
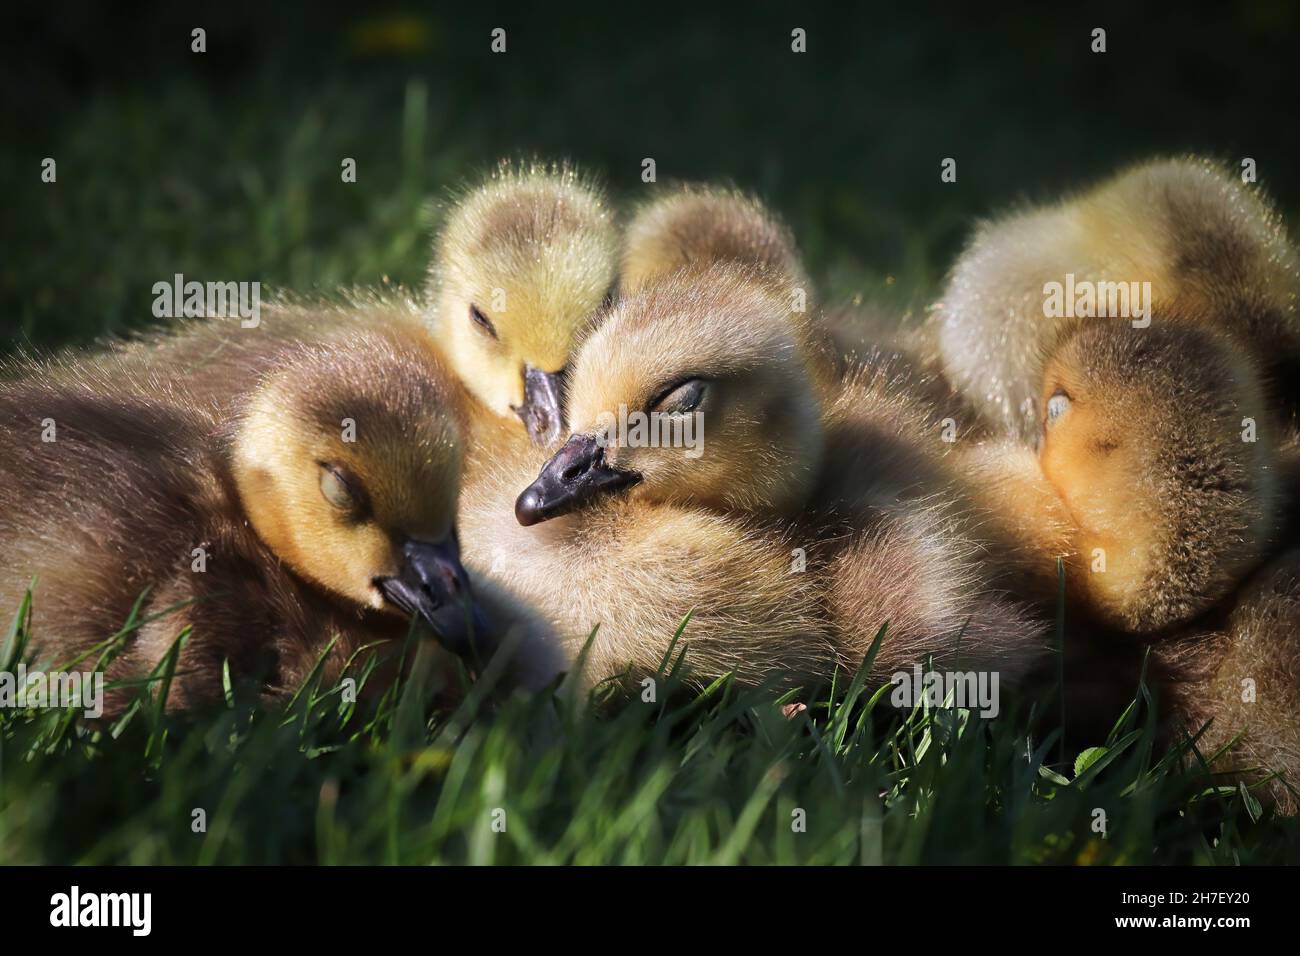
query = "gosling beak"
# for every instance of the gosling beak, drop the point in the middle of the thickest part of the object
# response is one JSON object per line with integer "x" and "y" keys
{"x": 433, "y": 585}
{"x": 577, "y": 474}
{"x": 540, "y": 411}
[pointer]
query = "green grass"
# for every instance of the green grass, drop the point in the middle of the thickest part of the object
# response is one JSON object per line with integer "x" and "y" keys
{"x": 718, "y": 776}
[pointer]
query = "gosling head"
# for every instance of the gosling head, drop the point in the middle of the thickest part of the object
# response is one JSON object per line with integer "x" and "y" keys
{"x": 347, "y": 463}
{"x": 1159, "y": 443}
{"x": 521, "y": 266}
{"x": 698, "y": 225}
{"x": 693, "y": 390}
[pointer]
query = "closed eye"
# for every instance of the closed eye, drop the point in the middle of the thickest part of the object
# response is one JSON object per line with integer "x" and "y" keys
{"x": 342, "y": 491}
{"x": 680, "y": 398}
{"x": 483, "y": 323}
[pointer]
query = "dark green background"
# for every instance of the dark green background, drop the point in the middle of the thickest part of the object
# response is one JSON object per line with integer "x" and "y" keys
{"x": 225, "y": 165}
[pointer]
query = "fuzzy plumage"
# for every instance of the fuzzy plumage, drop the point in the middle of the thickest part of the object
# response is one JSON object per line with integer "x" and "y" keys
{"x": 719, "y": 324}
{"x": 534, "y": 249}
{"x": 208, "y": 361}
{"x": 850, "y": 472}
{"x": 636, "y": 570}
{"x": 694, "y": 226}
{"x": 1242, "y": 675}
{"x": 919, "y": 550}
{"x": 1154, "y": 458}
{"x": 1213, "y": 250}
{"x": 149, "y": 464}
{"x": 1166, "y": 468}
{"x": 1156, "y": 478}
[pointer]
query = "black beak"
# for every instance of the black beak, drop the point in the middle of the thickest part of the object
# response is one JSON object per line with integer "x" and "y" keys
{"x": 577, "y": 474}
{"x": 433, "y": 585}
{"x": 540, "y": 412}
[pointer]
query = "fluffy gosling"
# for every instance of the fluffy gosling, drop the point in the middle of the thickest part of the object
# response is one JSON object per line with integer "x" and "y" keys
{"x": 1213, "y": 250}
{"x": 318, "y": 507}
{"x": 522, "y": 264}
{"x": 859, "y": 472}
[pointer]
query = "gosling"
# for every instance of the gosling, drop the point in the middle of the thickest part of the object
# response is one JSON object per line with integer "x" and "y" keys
{"x": 319, "y": 507}
{"x": 523, "y": 264}
{"x": 858, "y": 475}
{"x": 1209, "y": 248}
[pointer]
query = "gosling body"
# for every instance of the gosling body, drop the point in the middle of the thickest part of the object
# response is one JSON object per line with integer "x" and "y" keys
{"x": 258, "y": 524}
{"x": 855, "y": 475}
{"x": 1209, "y": 249}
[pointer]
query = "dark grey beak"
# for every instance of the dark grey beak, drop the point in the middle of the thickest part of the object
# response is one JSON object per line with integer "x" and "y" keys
{"x": 434, "y": 586}
{"x": 576, "y": 475}
{"x": 540, "y": 412}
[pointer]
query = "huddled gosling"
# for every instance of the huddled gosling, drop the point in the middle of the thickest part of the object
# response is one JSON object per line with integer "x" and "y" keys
{"x": 318, "y": 506}
{"x": 522, "y": 264}
{"x": 1162, "y": 449}
{"x": 858, "y": 476}
{"x": 1209, "y": 249}
{"x": 1157, "y": 477}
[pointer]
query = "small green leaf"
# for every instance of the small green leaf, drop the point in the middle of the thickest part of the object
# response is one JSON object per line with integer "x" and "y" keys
{"x": 1087, "y": 759}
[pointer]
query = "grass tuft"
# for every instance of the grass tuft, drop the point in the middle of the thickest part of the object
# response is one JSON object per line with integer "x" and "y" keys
{"x": 708, "y": 776}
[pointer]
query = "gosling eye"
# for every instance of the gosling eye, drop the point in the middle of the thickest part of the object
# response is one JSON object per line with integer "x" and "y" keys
{"x": 680, "y": 399}
{"x": 483, "y": 323}
{"x": 341, "y": 491}
{"x": 1057, "y": 406}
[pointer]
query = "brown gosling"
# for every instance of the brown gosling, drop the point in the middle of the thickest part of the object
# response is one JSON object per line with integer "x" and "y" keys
{"x": 1241, "y": 674}
{"x": 1161, "y": 482}
{"x": 1160, "y": 445}
{"x": 319, "y": 506}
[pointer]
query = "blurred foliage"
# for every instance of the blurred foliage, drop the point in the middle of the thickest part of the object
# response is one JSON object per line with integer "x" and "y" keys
{"x": 226, "y": 164}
